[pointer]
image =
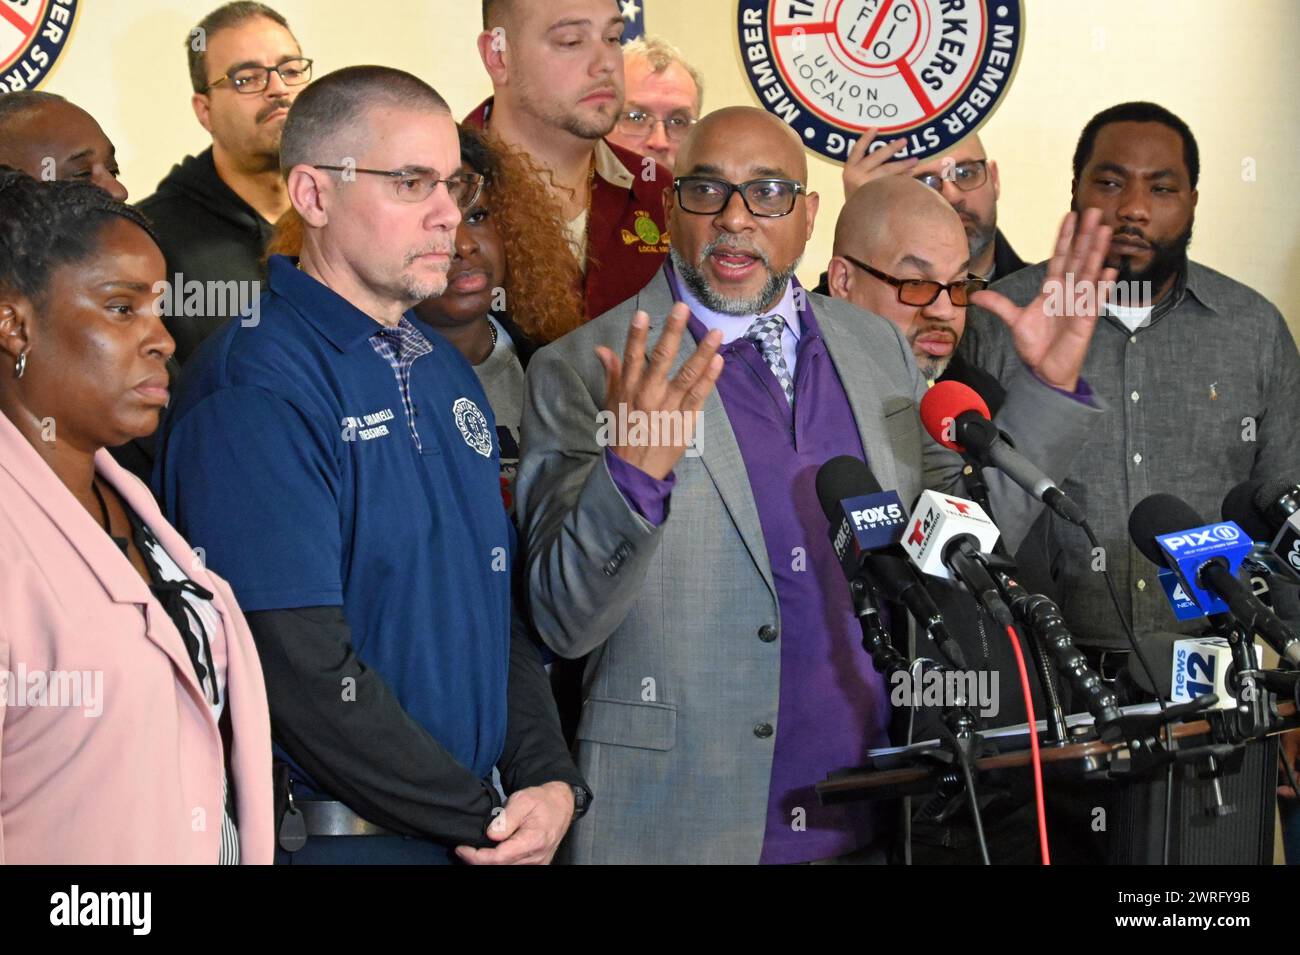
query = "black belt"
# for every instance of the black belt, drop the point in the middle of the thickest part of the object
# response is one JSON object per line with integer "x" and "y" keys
{"x": 330, "y": 818}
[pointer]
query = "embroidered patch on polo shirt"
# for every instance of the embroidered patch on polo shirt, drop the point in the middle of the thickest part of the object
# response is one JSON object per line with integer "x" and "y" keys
{"x": 473, "y": 425}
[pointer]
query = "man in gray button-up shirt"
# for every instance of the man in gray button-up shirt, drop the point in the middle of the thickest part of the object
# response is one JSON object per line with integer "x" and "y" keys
{"x": 1202, "y": 380}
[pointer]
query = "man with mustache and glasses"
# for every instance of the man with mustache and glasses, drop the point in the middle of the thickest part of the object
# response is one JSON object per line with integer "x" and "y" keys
{"x": 1201, "y": 371}
{"x": 896, "y": 242}
{"x": 339, "y": 462}
{"x": 214, "y": 212}
{"x": 557, "y": 81}
{"x": 964, "y": 176}
{"x": 726, "y": 675}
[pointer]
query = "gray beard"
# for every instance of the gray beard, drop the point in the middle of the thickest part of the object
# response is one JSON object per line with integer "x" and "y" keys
{"x": 771, "y": 291}
{"x": 932, "y": 368}
{"x": 982, "y": 239}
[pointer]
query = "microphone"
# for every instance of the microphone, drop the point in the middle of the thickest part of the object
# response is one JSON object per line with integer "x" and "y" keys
{"x": 1269, "y": 511}
{"x": 865, "y": 524}
{"x": 1205, "y": 559}
{"x": 945, "y": 538}
{"x": 957, "y": 417}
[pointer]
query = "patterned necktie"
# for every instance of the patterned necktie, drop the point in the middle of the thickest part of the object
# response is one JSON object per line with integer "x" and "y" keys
{"x": 766, "y": 334}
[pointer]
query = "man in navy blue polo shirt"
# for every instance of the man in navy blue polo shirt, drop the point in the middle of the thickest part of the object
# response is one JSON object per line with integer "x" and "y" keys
{"x": 336, "y": 460}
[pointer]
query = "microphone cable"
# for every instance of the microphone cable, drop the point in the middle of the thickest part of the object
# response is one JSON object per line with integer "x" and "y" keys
{"x": 1036, "y": 756}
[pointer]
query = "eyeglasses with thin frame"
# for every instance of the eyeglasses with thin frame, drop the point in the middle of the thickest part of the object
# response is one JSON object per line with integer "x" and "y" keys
{"x": 639, "y": 124}
{"x": 255, "y": 79}
{"x": 416, "y": 185}
{"x": 922, "y": 292}
{"x": 764, "y": 198}
{"x": 966, "y": 176}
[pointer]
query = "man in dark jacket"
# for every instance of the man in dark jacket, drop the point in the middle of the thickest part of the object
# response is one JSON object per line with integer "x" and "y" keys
{"x": 215, "y": 211}
{"x": 968, "y": 179}
{"x": 965, "y": 176}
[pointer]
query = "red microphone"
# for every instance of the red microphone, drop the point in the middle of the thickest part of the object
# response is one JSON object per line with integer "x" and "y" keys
{"x": 952, "y": 414}
{"x": 957, "y": 417}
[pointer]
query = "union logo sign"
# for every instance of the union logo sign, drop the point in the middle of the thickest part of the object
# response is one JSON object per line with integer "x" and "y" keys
{"x": 32, "y": 35}
{"x": 931, "y": 71}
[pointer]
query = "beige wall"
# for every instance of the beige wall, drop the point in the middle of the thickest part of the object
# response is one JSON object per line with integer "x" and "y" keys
{"x": 1230, "y": 76}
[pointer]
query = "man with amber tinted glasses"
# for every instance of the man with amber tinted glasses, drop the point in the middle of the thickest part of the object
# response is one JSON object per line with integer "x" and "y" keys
{"x": 664, "y": 98}
{"x": 214, "y": 212}
{"x": 901, "y": 253}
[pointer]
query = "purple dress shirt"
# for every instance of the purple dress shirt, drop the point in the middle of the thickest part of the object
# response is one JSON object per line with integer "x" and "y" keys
{"x": 833, "y": 706}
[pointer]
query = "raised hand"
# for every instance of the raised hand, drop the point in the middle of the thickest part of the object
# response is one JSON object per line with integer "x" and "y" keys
{"x": 1052, "y": 333}
{"x": 861, "y": 167}
{"x": 639, "y": 391}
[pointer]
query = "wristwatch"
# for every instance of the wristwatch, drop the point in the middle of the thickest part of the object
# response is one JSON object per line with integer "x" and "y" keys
{"x": 581, "y": 802}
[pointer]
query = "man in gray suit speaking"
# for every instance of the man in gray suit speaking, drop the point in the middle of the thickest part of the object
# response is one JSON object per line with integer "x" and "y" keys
{"x": 725, "y": 676}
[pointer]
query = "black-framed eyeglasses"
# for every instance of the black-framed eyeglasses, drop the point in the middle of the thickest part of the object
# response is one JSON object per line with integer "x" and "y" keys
{"x": 966, "y": 176}
{"x": 416, "y": 185}
{"x": 255, "y": 79}
{"x": 764, "y": 198}
{"x": 921, "y": 292}
{"x": 639, "y": 124}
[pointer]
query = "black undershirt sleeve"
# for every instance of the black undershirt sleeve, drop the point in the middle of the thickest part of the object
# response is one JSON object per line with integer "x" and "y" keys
{"x": 356, "y": 740}
{"x": 534, "y": 751}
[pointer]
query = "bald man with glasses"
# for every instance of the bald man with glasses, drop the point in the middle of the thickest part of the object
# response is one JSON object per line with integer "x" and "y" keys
{"x": 339, "y": 461}
{"x": 723, "y": 654}
{"x": 901, "y": 252}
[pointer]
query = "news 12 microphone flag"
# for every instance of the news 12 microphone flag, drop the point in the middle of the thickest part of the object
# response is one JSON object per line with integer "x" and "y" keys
{"x": 634, "y": 13}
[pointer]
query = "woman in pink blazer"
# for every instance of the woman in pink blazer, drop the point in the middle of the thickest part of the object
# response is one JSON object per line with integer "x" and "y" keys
{"x": 133, "y": 717}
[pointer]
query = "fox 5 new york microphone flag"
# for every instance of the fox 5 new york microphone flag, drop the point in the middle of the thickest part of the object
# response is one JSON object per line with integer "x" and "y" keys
{"x": 634, "y": 14}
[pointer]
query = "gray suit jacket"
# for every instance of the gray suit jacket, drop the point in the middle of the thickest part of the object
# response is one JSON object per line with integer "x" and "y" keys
{"x": 678, "y": 676}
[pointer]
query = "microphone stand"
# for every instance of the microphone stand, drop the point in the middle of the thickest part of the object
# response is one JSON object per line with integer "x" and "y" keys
{"x": 887, "y": 660}
{"x": 1255, "y": 713}
{"x": 979, "y": 493}
{"x": 961, "y": 738}
{"x": 1040, "y": 619}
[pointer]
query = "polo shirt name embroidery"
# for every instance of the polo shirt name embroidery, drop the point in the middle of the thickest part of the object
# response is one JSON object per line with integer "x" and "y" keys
{"x": 371, "y": 426}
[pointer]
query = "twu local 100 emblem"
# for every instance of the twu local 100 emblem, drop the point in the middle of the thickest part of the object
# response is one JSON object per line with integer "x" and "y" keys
{"x": 33, "y": 34}
{"x": 930, "y": 71}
